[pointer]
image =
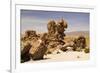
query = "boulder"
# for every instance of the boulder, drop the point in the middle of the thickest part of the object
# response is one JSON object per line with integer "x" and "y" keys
{"x": 39, "y": 48}
{"x": 67, "y": 46}
{"x": 30, "y": 35}
{"x": 38, "y": 52}
{"x": 25, "y": 53}
{"x": 79, "y": 42}
{"x": 87, "y": 50}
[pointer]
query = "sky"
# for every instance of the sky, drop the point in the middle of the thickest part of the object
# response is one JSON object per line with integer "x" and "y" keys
{"x": 37, "y": 20}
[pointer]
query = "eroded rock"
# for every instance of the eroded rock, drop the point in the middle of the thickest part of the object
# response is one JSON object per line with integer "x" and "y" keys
{"x": 56, "y": 33}
{"x": 25, "y": 53}
{"x": 39, "y": 48}
{"x": 79, "y": 43}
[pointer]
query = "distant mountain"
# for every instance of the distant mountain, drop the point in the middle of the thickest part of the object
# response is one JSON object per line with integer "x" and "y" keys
{"x": 77, "y": 33}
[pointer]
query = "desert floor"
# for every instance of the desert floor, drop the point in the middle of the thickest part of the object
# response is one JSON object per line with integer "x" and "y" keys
{"x": 63, "y": 56}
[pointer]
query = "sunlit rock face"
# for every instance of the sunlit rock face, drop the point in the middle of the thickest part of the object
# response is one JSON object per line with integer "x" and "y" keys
{"x": 38, "y": 48}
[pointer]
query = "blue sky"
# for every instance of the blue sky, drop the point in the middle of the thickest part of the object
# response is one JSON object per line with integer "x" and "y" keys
{"x": 37, "y": 20}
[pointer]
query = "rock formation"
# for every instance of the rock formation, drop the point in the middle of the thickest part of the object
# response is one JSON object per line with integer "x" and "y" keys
{"x": 29, "y": 35}
{"x": 67, "y": 47}
{"x": 25, "y": 53}
{"x": 38, "y": 44}
{"x": 56, "y": 32}
{"x": 79, "y": 43}
{"x": 38, "y": 48}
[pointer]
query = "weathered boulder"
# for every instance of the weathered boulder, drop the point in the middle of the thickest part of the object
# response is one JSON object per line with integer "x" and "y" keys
{"x": 87, "y": 50}
{"x": 67, "y": 47}
{"x": 38, "y": 52}
{"x": 38, "y": 48}
{"x": 79, "y": 42}
{"x": 29, "y": 35}
{"x": 25, "y": 53}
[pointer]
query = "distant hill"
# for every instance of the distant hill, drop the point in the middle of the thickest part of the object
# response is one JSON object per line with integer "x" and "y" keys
{"x": 77, "y": 33}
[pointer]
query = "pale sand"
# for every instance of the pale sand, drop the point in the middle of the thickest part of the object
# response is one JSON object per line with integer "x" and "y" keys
{"x": 63, "y": 56}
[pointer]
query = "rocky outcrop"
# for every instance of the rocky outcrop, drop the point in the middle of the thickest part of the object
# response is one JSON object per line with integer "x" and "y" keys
{"x": 56, "y": 29}
{"x": 29, "y": 36}
{"x": 39, "y": 48}
{"x": 56, "y": 33}
{"x": 79, "y": 43}
{"x": 25, "y": 53}
{"x": 76, "y": 45}
{"x": 39, "y": 43}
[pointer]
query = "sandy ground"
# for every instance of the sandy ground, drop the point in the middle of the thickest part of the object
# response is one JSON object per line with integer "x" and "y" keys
{"x": 63, "y": 56}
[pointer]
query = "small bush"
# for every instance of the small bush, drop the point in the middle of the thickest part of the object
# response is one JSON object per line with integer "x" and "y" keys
{"x": 87, "y": 50}
{"x": 58, "y": 52}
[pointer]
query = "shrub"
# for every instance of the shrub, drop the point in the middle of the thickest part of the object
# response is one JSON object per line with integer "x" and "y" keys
{"x": 87, "y": 50}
